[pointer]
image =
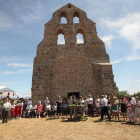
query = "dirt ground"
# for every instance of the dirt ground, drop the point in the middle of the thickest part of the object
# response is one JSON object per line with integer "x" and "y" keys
{"x": 61, "y": 129}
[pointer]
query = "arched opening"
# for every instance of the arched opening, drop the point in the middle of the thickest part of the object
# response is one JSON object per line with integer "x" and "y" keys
{"x": 63, "y": 18}
{"x": 76, "y": 17}
{"x": 60, "y": 37}
{"x": 80, "y": 36}
{"x": 69, "y": 6}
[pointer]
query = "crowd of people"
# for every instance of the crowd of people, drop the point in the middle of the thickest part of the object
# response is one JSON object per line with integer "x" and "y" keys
{"x": 104, "y": 105}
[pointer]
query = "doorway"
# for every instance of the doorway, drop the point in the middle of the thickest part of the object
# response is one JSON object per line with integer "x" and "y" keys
{"x": 77, "y": 94}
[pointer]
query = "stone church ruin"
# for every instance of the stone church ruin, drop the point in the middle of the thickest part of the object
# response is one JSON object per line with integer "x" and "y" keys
{"x": 71, "y": 68}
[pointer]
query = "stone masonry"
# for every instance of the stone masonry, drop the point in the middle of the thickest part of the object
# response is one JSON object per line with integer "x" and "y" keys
{"x": 71, "y": 67}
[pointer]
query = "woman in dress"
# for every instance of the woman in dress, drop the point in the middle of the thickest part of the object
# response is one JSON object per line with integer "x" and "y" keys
{"x": 130, "y": 111}
{"x": 137, "y": 107}
{"x": 39, "y": 109}
{"x": 123, "y": 108}
{"x": 59, "y": 106}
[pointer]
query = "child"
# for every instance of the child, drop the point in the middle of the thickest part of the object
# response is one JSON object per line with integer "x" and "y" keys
{"x": 12, "y": 111}
{"x": 54, "y": 107}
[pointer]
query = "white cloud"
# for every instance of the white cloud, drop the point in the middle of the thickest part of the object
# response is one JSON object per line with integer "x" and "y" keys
{"x": 133, "y": 58}
{"x": 107, "y": 40}
{"x": 128, "y": 82}
{"x": 2, "y": 87}
{"x": 117, "y": 61}
{"x": 19, "y": 65}
{"x": 17, "y": 72}
{"x": 28, "y": 12}
{"x": 8, "y": 59}
{"x": 127, "y": 27}
{"x": 138, "y": 81}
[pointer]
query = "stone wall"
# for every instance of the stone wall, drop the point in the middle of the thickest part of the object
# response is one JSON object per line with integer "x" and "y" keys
{"x": 72, "y": 67}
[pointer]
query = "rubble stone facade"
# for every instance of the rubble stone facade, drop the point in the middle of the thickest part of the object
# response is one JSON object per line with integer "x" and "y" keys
{"x": 61, "y": 69}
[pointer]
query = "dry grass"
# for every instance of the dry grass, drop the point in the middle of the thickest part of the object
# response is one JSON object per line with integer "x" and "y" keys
{"x": 61, "y": 129}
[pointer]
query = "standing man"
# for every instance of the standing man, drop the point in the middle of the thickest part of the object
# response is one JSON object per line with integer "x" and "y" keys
{"x": 5, "y": 109}
{"x": 104, "y": 108}
{"x": 90, "y": 105}
{"x": 45, "y": 102}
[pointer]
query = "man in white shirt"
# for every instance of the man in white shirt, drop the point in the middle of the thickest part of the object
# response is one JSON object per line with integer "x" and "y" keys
{"x": 5, "y": 109}
{"x": 90, "y": 105}
{"x": 104, "y": 109}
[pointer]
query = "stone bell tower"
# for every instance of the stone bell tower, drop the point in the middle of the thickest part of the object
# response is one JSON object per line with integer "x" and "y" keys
{"x": 71, "y": 68}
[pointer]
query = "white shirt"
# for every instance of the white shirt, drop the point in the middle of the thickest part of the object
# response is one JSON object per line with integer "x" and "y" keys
{"x": 34, "y": 107}
{"x": 20, "y": 104}
{"x": 137, "y": 104}
{"x": 13, "y": 106}
{"x": 54, "y": 107}
{"x": 30, "y": 102}
{"x": 90, "y": 101}
{"x": 133, "y": 100}
{"x": 86, "y": 103}
{"x": 48, "y": 107}
{"x": 6, "y": 105}
{"x": 46, "y": 102}
{"x": 97, "y": 102}
{"x": 104, "y": 102}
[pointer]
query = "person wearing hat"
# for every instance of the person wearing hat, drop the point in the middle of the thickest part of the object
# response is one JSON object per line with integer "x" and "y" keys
{"x": 5, "y": 109}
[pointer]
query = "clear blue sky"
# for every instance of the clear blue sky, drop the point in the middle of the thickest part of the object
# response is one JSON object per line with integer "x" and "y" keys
{"x": 22, "y": 27}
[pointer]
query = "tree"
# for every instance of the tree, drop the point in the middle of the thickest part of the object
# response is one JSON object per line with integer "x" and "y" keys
{"x": 122, "y": 93}
{"x": 138, "y": 94}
